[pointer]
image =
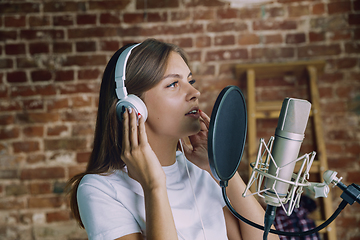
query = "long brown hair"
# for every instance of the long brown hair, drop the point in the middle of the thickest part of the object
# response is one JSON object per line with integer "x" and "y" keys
{"x": 145, "y": 68}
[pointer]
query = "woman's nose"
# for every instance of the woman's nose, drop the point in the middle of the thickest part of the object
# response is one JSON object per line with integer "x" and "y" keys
{"x": 193, "y": 93}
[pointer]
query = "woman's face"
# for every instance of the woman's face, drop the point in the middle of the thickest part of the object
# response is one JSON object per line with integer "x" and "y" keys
{"x": 173, "y": 104}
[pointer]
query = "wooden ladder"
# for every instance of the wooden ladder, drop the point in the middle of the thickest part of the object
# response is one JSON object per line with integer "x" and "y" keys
{"x": 268, "y": 110}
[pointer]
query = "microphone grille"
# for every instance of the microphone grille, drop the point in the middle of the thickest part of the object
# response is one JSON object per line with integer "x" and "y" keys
{"x": 294, "y": 115}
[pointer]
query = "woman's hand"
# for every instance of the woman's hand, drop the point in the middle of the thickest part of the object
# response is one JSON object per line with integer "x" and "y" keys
{"x": 141, "y": 161}
{"x": 197, "y": 153}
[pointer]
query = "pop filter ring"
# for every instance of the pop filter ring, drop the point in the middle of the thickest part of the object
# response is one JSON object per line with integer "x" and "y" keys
{"x": 228, "y": 123}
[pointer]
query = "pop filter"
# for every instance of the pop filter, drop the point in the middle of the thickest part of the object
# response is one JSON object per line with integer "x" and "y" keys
{"x": 227, "y": 133}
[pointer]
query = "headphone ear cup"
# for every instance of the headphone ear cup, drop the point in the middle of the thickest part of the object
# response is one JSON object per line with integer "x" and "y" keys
{"x": 134, "y": 102}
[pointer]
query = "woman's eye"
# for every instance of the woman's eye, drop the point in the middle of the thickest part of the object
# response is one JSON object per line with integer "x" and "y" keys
{"x": 192, "y": 82}
{"x": 174, "y": 84}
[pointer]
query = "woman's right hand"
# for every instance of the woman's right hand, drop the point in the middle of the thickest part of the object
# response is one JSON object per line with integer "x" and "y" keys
{"x": 141, "y": 161}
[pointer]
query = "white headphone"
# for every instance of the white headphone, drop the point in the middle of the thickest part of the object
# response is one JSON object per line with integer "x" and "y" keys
{"x": 125, "y": 100}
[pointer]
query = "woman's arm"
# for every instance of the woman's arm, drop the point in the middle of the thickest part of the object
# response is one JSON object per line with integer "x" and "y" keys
{"x": 144, "y": 167}
{"x": 248, "y": 207}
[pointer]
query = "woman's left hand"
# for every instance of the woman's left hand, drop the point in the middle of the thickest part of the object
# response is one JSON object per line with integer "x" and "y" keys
{"x": 198, "y": 153}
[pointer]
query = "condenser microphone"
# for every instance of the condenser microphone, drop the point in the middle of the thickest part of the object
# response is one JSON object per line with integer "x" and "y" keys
{"x": 289, "y": 135}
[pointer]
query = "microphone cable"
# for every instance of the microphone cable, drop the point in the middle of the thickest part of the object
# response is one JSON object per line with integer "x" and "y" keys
{"x": 341, "y": 206}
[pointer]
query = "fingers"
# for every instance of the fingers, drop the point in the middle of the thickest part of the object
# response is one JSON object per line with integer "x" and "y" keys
{"x": 205, "y": 119}
{"x": 130, "y": 129}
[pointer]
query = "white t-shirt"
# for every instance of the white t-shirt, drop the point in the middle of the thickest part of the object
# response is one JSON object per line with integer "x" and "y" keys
{"x": 113, "y": 206}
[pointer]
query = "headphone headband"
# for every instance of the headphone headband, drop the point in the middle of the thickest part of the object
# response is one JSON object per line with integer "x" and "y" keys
{"x": 120, "y": 73}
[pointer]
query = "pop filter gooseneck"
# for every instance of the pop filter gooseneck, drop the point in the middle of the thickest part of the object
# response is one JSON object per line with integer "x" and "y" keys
{"x": 227, "y": 133}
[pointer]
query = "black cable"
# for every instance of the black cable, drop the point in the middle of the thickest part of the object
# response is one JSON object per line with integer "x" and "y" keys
{"x": 341, "y": 206}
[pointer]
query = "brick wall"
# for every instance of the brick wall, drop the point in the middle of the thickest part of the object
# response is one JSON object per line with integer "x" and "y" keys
{"x": 52, "y": 54}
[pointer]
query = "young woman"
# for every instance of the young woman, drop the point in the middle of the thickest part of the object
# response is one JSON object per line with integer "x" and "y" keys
{"x": 137, "y": 185}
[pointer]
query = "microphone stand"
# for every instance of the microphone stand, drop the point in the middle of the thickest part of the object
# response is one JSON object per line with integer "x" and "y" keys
{"x": 350, "y": 195}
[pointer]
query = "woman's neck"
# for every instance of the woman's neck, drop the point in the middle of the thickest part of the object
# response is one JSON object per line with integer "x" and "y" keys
{"x": 164, "y": 148}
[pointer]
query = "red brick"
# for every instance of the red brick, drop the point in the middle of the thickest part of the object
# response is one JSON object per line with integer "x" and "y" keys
{"x": 10, "y": 105}
{"x": 111, "y": 18}
{"x": 26, "y": 146}
{"x": 248, "y": 39}
{"x": 40, "y": 188}
{"x": 58, "y": 216}
{"x": 276, "y": 12}
{"x": 45, "y": 90}
{"x": 85, "y": 46}
{"x": 185, "y": 42}
{"x": 83, "y": 157}
{"x": 295, "y": 38}
{"x": 6, "y": 63}
{"x": 12, "y": 203}
{"x": 62, "y": 47}
{"x": 64, "y": 75}
{"x": 65, "y": 144}
{"x": 227, "y": 26}
{"x": 16, "y": 190}
{"x": 36, "y": 48}
{"x": 34, "y": 131}
{"x": 17, "y": 8}
{"x": 9, "y": 133}
{"x": 157, "y": 4}
{"x": 15, "y": 21}
{"x": 45, "y": 202}
{"x": 339, "y": 7}
{"x": 79, "y": 88}
{"x": 29, "y": 34}
{"x": 230, "y": 54}
{"x": 319, "y": 50}
{"x": 316, "y": 36}
{"x": 318, "y": 9}
{"x": 224, "y": 40}
{"x": 6, "y": 119}
{"x": 82, "y": 130}
{"x": 57, "y": 130}
{"x": 23, "y": 62}
{"x": 8, "y": 35}
{"x": 41, "y": 75}
{"x": 81, "y": 101}
{"x": 157, "y": 17}
{"x": 16, "y": 77}
{"x": 15, "y": 49}
{"x": 271, "y": 53}
{"x": 63, "y": 20}
{"x": 109, "y": 5}
{"x": 39, "y": 21}
{"x": 206, "y": 3}
{"x": 77, "y": 115}
{"x": 88, "y": 74}
{"x": 182, "y": 15}
{"x": 340, "y": 35}
{"x": 346, "y": 63}
{"x": 274, "y": 25}
{"x": 85, "y": 19}
{"x": 299, "y": 10}
{"x": 38, "y": 117}
{"x": 250, "y": 13}
{"x": 35, "y": 158}
{"x": 111, "y": 46}
{"x": 63, "y": 6}
{"x": 85, "y": 33}
{"x": 352, "y": 47}
{"x": 354, "y": 19}
{"x": 76, "y": 170}
{"x": 227, "y": 13}
{"x": 204, "y": 14}
{"x": 91, "y": 60}
{"x": 273, "y": 38}
{"x": 42, "y": 173}
{"x": 9, "y": 174}
{"x": 202, "y": 41}
{"x": 33, "y": 104}
{"x": 353, "y": 177}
